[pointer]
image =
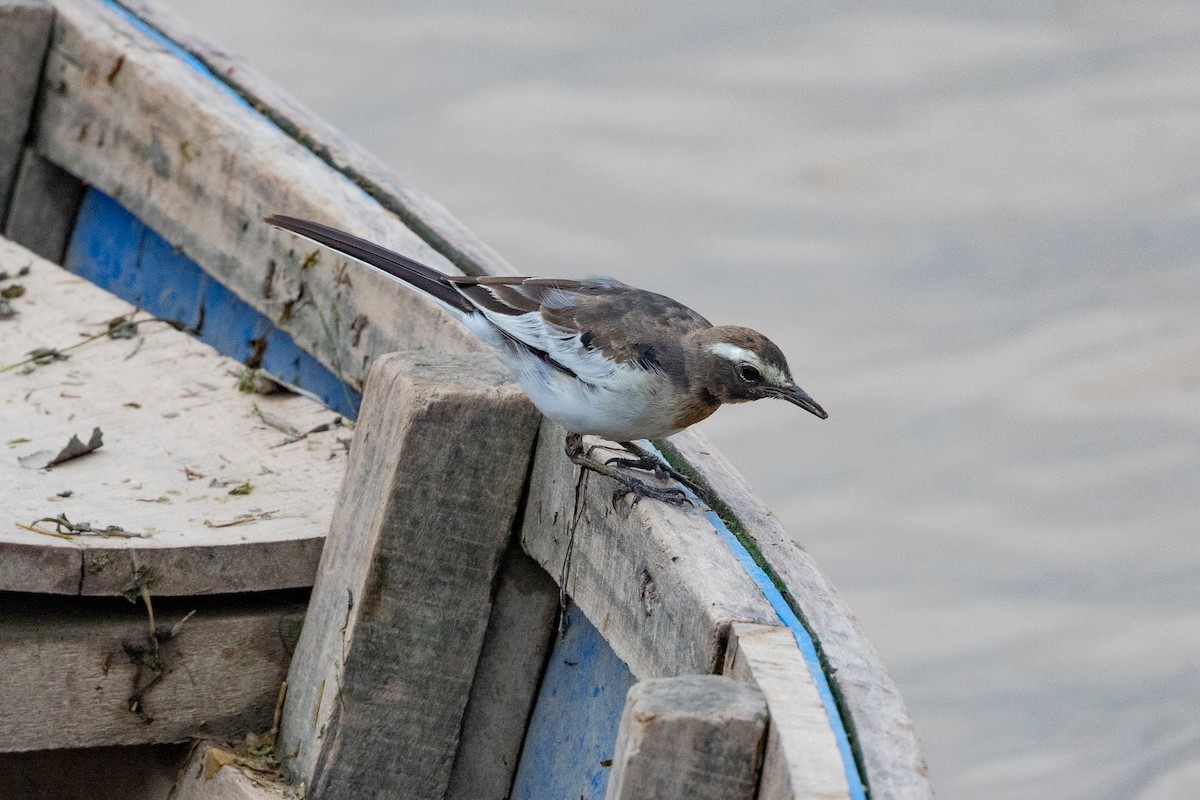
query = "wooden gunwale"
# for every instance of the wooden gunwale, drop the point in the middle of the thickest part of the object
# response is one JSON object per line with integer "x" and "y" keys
{"x": 776, "y": 595}
{"x": 424, "y": 215}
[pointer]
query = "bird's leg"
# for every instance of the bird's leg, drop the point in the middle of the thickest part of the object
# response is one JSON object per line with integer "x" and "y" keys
{"x": 649, "y": 462}
{"x": 630, "y": 485}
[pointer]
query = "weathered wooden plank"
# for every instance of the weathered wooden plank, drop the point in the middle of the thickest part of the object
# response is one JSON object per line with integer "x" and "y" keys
{"x": 382, "y": 675}
{"x": 569, "y": 746}
{"x": 204, "y": 778}
{"x": 695, "y": 737}
{"x": 660, "y": 584}
{"x": 178, "y": 438}
{"x": 802, "y": 759}
{"x": 878, "y": 722}
{"x": 24, "y": 36}
{"x": 132, "y": 115}
{"x": 81, "y": 673}
{"x": 45, "y": 202}
{"x": 506, "y": 680}
{"x": 424, "y": 215}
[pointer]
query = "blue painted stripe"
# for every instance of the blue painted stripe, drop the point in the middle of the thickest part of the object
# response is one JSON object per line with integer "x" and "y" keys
{"x": 119, "y": 253}
{"x": 803, "y": 639}
{"x": 804, "y": 642}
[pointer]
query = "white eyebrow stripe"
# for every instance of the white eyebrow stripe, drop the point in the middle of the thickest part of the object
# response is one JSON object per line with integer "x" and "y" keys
{"x": 734, "y": 353}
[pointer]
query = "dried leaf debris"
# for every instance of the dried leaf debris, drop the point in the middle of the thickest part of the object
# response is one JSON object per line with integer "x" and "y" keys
{"x": 64, "y": 529}
{"x": 75, "y": 448}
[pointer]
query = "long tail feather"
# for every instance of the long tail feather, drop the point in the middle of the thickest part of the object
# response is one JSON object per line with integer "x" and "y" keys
{"x": 414, "y": 273}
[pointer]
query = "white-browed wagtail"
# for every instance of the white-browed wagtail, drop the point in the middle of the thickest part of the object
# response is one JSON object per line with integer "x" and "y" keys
{"x": 597, "y": 356}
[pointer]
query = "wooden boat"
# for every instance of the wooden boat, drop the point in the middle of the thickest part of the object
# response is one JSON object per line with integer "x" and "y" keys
{"x": 407, "y": 583}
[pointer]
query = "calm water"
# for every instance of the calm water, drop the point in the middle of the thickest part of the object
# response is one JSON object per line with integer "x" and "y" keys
{"x": 977, "y": 234}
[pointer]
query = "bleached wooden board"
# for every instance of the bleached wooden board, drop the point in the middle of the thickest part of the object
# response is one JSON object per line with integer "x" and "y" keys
{"x": 801, "y": 761}
{"x": 133, "y": 117}
{"x": 656, "y": 579}
{"x": 167, "y": 404}
{"x": 879, "y": 723}
{"x": 384, "y": 669}
{"x": 695, "y": 737}
{"x": 72, "y": 668}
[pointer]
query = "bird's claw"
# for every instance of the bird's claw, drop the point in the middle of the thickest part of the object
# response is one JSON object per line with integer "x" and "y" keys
{"x": 656, "y": 468}
{"x": 651, "y": 465}
{"x": 639, "y": 489}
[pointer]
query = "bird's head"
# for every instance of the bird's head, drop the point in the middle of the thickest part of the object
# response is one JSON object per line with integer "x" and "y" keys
{"x": 737, "y": 365}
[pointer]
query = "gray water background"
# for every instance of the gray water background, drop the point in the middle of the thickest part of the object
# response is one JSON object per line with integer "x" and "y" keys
{"x": 974, "y": 228}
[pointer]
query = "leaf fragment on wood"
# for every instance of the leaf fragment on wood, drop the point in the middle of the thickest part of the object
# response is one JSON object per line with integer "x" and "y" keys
{"x": 75, "y": 448}
{"x": 142, "y": 578}
{"x": 46, "y": 355}
{"x": 255, "y": 755}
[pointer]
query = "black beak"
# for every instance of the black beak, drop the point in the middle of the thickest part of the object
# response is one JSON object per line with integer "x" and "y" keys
{"x": 797, "y": 396}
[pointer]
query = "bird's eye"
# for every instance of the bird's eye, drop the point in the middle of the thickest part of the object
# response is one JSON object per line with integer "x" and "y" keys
{"x": 749, "y": 373}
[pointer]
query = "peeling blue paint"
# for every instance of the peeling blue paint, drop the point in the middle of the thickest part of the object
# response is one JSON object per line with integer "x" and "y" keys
{"x": 119, "y": 253}
{"x": 575, "y": 718}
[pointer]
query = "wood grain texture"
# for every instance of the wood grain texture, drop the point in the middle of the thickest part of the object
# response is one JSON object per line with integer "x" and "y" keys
{"x": 420, "y": 212}
{"x": 72, "y": 668}
{"x": 178, "y": 438}
{"x": 518, "y": 640}
{"x": 45, "y": 200}
{"x": 802, "y": 761}
{"x": 383, "y": 672}
{"x": 656, "y": 579}
{"x": 24, "y": 36}
{"x": 230, "y": 782}
{"x": 127, "y": 113}
{"x": 873, "y": 710}
{"x": 695, "y": 737}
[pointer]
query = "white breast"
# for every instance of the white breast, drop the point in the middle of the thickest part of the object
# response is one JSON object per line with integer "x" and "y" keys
{"x": 636, "y": 406}
{"x": 618, "y": 401}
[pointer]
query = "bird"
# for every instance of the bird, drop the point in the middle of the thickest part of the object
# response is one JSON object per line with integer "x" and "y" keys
{"x": 597, "y": 356}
